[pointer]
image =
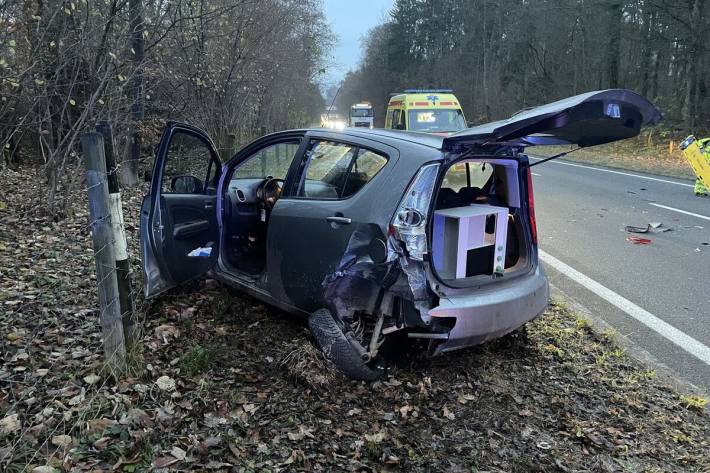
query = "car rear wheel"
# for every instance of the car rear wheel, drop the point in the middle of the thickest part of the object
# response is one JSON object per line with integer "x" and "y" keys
{"x": 342, "y": 351}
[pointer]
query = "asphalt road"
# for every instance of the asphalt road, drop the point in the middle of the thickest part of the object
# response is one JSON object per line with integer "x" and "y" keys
{"x": 657, "y": 295}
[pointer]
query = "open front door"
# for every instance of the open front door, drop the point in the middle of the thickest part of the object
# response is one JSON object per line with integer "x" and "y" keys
{"x": 179, "y": 232}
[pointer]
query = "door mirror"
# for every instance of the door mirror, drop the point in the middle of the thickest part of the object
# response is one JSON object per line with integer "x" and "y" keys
{"x": 186, "y": 185}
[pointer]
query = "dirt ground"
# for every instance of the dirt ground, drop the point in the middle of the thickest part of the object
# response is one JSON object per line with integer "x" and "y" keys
{"x": 221, "y": 382}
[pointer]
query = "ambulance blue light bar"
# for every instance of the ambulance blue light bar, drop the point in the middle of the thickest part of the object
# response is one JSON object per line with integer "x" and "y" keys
{"x": 428, "y": 91}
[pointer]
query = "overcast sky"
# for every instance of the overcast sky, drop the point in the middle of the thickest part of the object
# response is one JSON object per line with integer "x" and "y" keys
{"x": 350, "y": 20}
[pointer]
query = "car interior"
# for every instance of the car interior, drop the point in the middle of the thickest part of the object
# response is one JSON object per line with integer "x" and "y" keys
{"x": 255, "y": 186}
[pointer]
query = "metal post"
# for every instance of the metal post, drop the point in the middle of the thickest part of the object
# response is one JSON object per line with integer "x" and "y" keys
{"x": 102, "y": 235}
{"x": 123, "y": 274}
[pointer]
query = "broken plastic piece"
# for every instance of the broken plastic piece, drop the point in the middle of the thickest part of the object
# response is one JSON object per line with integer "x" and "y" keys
{"x": 632, "y": 229}
{"x": 638, "y": 240}
{"x": 200, "y": 252}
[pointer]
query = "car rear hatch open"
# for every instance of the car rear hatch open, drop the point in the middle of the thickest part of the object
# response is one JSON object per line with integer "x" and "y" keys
{"x": 586, "y": 120}
{"x": 482, "y": 223}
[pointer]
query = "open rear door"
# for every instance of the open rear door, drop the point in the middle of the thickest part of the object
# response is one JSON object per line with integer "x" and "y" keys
{"x": 179, "y": 233}
{"x": 586, "y": 120}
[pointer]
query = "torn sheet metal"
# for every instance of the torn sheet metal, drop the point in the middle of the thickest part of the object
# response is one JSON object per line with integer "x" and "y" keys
{"x": 357, "y": 281}
{"x": 416, "y": 277}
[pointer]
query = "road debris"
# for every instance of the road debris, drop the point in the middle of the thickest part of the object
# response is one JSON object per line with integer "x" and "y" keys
{"x": 632, "y": 229}
{"x": 638, "y": 240}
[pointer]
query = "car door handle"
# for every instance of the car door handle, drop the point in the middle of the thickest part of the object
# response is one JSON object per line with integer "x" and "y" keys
{"x": 336, "y": 219}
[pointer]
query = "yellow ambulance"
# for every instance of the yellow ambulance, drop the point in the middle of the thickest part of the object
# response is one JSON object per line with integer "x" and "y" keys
{"x": 426, "y": 110}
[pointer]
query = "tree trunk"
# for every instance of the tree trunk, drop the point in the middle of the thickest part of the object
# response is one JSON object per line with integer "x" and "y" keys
{"x": 691, "y": 71}
{"x": 129, "y": 174}
{"x": 614, "y": 48}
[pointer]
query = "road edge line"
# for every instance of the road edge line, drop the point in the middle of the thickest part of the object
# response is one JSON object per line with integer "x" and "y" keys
{"x": 594, "y": 168}
{"x": 681, "y": 211}
{"x": 664, "y": 329}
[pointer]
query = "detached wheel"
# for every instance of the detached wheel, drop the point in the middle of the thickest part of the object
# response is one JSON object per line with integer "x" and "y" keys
{"x": 337, "y": 348}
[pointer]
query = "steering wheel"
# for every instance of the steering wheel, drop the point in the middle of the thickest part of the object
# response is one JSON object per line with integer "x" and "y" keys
{"x": 269, "y": 191}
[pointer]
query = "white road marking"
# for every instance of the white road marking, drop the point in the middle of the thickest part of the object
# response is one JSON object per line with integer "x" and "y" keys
{"x": 679, "y": 211}
{"x": 669, "y": 332}
{"x": 619, "y": 172}
{"x": 534, "y": 174}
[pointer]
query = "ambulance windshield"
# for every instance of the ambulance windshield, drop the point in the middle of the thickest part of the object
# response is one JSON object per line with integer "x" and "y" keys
{"x": 436, "y": 120}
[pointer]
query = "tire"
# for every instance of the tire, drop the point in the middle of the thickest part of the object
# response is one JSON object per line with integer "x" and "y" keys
{"x": 337, "y": 348}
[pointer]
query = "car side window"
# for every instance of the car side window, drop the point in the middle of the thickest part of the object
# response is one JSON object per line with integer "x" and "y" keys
{"x": 366, "y": 166}
{"x": 338, "y": 170}
{"x": 190, "y": 167}
{"x": 273, "y": 161}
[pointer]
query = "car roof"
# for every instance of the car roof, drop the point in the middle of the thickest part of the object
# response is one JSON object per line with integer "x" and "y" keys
{"x": 390, "y": 136}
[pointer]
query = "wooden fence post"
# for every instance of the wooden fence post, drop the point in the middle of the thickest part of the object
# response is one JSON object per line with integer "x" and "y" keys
{"x": 102, "y": 236}
{"x": 120, "y": 245}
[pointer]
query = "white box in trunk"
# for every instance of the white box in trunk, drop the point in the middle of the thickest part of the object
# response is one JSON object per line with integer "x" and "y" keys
{"x": 459, "y": 230}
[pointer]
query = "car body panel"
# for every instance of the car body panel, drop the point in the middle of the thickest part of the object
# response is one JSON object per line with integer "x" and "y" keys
{"x": 490, "y": 312}
{"x": 304, "y": 244}
{"x": 585, "y": 120}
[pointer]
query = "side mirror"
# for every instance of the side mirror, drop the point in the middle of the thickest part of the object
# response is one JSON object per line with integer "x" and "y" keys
{"x": 470, "y": 124}
{"x": 186, "y": 185}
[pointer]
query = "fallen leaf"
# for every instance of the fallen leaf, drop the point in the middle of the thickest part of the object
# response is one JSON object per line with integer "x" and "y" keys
{"x": 165, "y": 383}
{"x": 61, "y": 441}
{"x": 43, "y": 469}
{"x": 178, "y": 453}
{"x": 376, "y": 437}
{"x": 164, "y": 462}
{"x": 10, "y": 424}
{"x": 92, "y": 379}
{"x": 448, "y": 414}
{"x": 13, "y": 336}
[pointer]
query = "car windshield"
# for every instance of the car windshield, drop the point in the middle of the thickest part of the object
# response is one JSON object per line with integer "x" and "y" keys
{"x": 436, "y": 120}
{"x": 361, "y": 112}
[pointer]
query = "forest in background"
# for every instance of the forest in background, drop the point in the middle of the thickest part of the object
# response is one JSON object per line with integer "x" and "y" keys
{"x": 232, "y": 67}
{"x": 501, "y": 56}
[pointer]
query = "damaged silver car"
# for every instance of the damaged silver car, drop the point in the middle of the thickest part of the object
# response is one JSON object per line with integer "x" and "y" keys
{"x": 373, "y": 234}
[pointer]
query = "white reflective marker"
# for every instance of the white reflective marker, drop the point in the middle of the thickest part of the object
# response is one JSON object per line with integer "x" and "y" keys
{"x": 679, "y": 211}
{"x": 618, "y": 172}
{"x": 664, "y": 329}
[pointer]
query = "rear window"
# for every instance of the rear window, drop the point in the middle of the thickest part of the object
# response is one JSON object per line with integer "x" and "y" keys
{"x": 478, "y": 175}
{"x": 338, "y": 170}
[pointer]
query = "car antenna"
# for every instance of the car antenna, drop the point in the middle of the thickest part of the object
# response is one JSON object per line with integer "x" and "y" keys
{"x": 555, "y": 156}
{"x": 333, "y": 102}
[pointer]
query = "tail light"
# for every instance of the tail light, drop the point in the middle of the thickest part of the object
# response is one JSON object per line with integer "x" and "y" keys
{"x": 410, "y": 220}
{"x": 531, "y": 206}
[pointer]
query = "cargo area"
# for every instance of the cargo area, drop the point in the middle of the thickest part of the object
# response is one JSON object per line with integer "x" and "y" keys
{"x": 478, "y": 231}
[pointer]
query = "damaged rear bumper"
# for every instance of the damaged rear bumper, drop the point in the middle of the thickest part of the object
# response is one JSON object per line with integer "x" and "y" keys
{"x": 491, "y": 313}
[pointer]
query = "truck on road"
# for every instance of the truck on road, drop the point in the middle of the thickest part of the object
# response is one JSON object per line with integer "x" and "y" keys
{"x": 362, "y": 115}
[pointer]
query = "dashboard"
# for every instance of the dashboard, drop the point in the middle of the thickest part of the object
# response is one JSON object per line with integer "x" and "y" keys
{"x": 243, "y": 191}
